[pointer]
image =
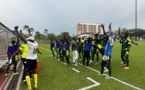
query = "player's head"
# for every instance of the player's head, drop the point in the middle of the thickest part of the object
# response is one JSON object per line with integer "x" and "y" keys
{"x": 96, "y": 35}
{"x": 89, "y": 39}
{"x": 73, "y": 38}
{"x": 126, "y": 35}
{"x": 31, "y": 38}
{"x": 13, "y": 42}
{"x": 79, "y": 39}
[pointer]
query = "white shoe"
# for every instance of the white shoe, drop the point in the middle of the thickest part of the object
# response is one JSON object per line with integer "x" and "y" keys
{"x": 126, "y": 68}
{"x": 64, "y": 63}
{"x": 108, "y": 77}
{"x": 122, "y": 63}
{"x": 106, "y": 70}
{"x": 91, "y": 61}
{"x": 23, "y": 81}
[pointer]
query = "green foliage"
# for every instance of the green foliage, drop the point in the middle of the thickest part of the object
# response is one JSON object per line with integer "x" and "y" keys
{"x": 132, "y": 32}
{"x": 51, "y": 37}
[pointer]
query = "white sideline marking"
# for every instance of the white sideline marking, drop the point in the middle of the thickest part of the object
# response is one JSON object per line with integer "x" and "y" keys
{"x": 123, "y": 82}
{"x": 91, "y": 86}
{"x": 75, "y": 70}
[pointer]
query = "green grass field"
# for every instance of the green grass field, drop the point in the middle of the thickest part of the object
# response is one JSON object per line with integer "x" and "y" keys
{"x": 54, "y": 75}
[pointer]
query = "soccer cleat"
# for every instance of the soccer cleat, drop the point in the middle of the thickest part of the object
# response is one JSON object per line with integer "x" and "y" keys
{"x": 24, "y": 81}
{"x": 106, "y": 70}
{"x": 122, "y": 63}
{"x": 91, "y": 61}
{"x": 15, "y": 73}
{"x": 35, "y": 88}
{"x": 6, "y": 74}
{"x": 108, "y": 77}
{"x": 126, "y": 67}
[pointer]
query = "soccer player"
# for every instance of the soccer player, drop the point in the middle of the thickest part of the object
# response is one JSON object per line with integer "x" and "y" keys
{"x": 126, "y": 44}
{"x": 10, "y": 52}
{"x": 52, "y": 48}
{"x": 78, "y": 42}
{"x": 95, "y": 50}
{"x": 65, "y": 52}
{"x": 87, "y": 50}
{"x": 107, "y": 56}
{"x": 31, "y": 61}
{"x": 57, "y": 48}
{"x": 74, "y": 50}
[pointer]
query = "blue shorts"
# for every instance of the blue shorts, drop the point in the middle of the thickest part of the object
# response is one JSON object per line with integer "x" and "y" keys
{"x": 30, "y": 65}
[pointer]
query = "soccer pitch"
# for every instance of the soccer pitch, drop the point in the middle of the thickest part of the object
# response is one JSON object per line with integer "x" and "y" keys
{"x": 54, "y": 75}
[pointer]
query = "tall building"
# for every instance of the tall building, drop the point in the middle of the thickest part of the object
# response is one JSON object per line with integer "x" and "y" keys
{"x": 87, "y": 28}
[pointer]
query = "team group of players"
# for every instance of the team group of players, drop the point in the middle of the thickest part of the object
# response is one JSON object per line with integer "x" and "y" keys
{"x": 28, "y": 52}
{"x": 86, "y": 48}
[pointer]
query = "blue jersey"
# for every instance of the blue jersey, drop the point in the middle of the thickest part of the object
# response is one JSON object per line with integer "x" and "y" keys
{"x": 108, "y": 49}
{"x": 51, "y": 45}
{"x": 88, "y": 46}
{"x": 57, "y": 44}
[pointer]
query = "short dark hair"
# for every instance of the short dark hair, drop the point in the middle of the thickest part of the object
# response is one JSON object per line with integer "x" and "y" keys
{"x": 13, "y": 42}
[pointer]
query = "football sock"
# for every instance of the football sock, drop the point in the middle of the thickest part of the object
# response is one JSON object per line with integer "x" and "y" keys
{"x": 35, "y": 80}
{"x": 28, "y": 82}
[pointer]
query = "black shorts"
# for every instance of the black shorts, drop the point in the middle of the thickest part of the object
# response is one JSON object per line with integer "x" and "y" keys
{"x": 30, "y": 65}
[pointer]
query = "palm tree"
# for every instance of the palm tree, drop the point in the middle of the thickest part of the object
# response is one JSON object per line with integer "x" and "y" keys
{"x": 37, "y": 35}
{"x": 26, "y": 27}
{"x": 31, "y": 30}
{"x": 45, "y": 32}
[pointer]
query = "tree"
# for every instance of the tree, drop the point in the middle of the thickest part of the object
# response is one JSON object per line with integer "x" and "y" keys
{"x": 67, "y": 36}
{"x": 37, "y": 35}
{"x": 52, "y": 37}
{"x": 31, "y": 30}
{"x": 45, "y": 32}
{"x": 26, "y": 27}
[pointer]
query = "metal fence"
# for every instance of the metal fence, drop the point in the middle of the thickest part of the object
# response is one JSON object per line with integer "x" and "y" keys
{"x": 5, "y": 36}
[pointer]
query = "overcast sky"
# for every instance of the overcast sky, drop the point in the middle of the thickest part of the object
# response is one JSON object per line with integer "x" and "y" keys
{"x": 63, "y": 15}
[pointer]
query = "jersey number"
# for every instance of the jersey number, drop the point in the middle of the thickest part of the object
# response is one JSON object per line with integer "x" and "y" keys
{"x": 35, "y": 50}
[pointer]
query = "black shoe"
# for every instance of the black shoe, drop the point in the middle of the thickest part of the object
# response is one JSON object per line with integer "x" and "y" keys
{"x": 35, "y": 88}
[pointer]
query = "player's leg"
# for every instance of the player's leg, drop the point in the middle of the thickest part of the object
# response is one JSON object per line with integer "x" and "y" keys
{"x": 15, "y": 65}
{"x": 109, "y": 66}
{"x": 97, "y": 57}
{"x": 122, "y": 57}
{"x": 84, "y": 57}
{"x": 88, "y": 57}
{"x": 127, "y": 60}
{"x": 8, "y": 67}
{"x": 27, "y": 71}
{"x": 34, "y": 62}
{"x": 103, "y": 63}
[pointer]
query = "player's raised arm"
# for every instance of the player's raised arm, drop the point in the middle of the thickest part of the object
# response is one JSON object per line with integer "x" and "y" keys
{"x": 119, "y": 32}
{"x": 29, "y": 32}
{"x": 103, "y": 29}
{"x": 16, "y": 28}
{"x": 20, "y": 36}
